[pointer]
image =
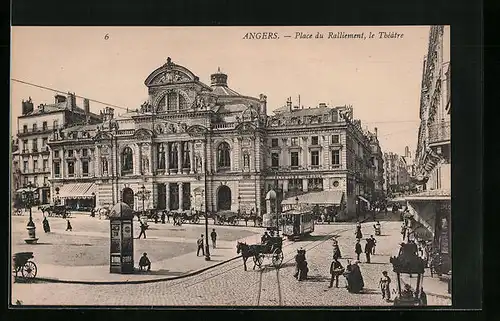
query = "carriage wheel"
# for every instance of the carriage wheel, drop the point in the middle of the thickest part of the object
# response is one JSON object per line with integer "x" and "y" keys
{"x": 258, "y": 259}
{"x": 29, "y": 270}
{"x": 277, "y": 258}
{"x": 234, "y": 222}
{"x": 196, "y": 220}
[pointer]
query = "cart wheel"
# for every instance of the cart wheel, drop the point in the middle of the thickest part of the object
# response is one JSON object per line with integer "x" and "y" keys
{"x": 277, "y": 258}
{"x": 197, "y": 220}
{"x": 258, "y": 259}
{"x": 29, "y": 270}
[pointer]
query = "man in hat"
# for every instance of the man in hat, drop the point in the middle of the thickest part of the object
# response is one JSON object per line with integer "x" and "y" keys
{"x": 336, "y": 250}
{"x": 144, "y": 262}
{"x": 336, "y": 269}
{"x": 357, "y": 249}
{"x": 199, "y": 242}
{"x": 368, "y": 250}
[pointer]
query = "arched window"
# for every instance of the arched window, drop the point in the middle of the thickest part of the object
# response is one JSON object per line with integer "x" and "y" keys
{"x": 171, "y": 101}
{"x": 182, "y": 103}
{"x": 223, "y": 155}
{"x": 127, "y": 160}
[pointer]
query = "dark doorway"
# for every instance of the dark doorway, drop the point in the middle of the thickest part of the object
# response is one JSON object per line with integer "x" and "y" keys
{"x": 174, "y": 196}
{"x": 162, "y": 194}
{"x": 224, "y": 198}
{"x": 128, "y": 197}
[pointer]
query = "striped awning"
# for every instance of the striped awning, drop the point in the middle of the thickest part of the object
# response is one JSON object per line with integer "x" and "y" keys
{"x": 320, "y": 198}
{"x": 77, "y": 190}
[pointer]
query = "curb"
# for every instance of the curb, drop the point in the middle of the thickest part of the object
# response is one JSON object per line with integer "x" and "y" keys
{"x": 54, "y": 280}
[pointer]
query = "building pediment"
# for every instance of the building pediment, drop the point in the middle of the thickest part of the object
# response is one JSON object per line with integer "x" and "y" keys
{"x": 245, "y": 128}
{"x": 197, "y": 130}
{"x": 170, "y": 73}
{"x": 143, "y": 133}
{"x": 103, "y": 136}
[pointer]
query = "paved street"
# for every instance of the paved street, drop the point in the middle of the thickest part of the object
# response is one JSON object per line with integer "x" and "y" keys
{"x": 229, "y": 285}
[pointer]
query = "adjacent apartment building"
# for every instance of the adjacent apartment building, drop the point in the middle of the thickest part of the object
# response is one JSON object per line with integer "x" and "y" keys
{"x": 35, "y": 126}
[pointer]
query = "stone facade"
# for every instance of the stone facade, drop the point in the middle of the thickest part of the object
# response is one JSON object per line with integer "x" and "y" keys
{"x": 35, "y": 127}
{"x": 189, "y": 140}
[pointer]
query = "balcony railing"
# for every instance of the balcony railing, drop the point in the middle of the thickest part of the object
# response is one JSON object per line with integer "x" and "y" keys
{"x": 440, "y": 132}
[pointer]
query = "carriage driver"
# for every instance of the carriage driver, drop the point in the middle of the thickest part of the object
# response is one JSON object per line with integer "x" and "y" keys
{"x": 265, "y": 238}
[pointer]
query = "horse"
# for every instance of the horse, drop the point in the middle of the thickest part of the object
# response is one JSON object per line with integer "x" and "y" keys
{"x": 246, "y": 252}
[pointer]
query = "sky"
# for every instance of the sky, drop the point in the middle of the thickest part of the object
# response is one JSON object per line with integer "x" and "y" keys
{"x": 380, "y": 78}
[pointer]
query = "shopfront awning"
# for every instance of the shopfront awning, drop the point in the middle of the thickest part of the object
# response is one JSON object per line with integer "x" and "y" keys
{"x": 432, "y": 195}
{"x": 77, "y": 190}
{"x": 317, "y": 198}
{"x": 21, "y": 190}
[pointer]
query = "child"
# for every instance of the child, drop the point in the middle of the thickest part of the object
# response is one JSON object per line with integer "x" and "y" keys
{"x": 385, "y": 282}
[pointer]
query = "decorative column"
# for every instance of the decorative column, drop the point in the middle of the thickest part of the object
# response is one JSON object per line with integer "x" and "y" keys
{"x": 191, "y": 157}
{"x": 167, "y": 196}
{"x": 139, "y": 163}
{"x": 180, "y": 197}
{"x": 63, "y": 163}
{"x": 304, "y": 184}
{"x": 97, "y": 160}
{"x": 151, "y": 158}
{"x": 167, "y": 156}
{"x": 203, "y": 167}
{"x": 238, "y": 160}
{"x": 179, "y": 158}
{"x": 254, "y": 154}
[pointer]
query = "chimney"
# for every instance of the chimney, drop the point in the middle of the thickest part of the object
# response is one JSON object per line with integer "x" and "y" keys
{"x": 27, "y": 106}
{"x": 71, "y": 101}
{"x": 59, "y": 99}
{"x": 376, "y": 131}
{"x": 86, "y": 106}
{"x": 289, "y": 103}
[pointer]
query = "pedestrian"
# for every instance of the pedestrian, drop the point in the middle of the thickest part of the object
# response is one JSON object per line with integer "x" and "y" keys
{"x": 385, "y": 282}
{"x": 68, "y": 226}
{"x": 336, "y": 270}
{"x": 303, "y": 271}
{"x": 358, "y": 233}
{"x": 336, "y": 250}
{"x": 322, "y": 218}
{"x": 144, "y": 227}
{"x": 358, "y": 250}
{"x": 300, "y": 258}
{"x": 368, "y": 250}
{"x": 144, "y": 262}
{"x": 163, "y": 217}
{"x": 354, "y": 278}
{"x": 374, "y": 243}
{"x": 199, "y": 242}
{"x": 46, "y": 225}
{"x": 213, "y": 236}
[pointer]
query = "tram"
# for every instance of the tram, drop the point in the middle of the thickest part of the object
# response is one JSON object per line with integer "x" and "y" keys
{"x": 297, "y": 223}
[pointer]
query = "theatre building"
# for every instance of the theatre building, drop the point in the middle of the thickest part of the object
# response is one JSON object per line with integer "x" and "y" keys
{"x": 193, "y": 145}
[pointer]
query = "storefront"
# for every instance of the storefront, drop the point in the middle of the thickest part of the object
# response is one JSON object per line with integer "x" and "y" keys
{"x": 431, "y": 221}
{"x": 77, "y": 196}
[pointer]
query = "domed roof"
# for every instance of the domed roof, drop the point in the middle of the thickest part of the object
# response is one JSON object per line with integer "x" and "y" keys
{"x": 218, "y": 82}
{"x": 121, "y": 210}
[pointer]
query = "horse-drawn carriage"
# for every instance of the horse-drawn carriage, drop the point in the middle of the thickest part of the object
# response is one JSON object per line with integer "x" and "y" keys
{"x": 186, "y": 217}
{"x": 21, "y": 263}
{"x": 228, "y": 218}
{"x": 272, "y": 248}
{"x": 55, "y": 210}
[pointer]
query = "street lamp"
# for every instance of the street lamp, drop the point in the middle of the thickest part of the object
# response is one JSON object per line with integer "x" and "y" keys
{"x": 143, "y": 195}
{"x": 239, "y": 205}
{"x": 29, "y": 196}
{"x": 207, "y": 247}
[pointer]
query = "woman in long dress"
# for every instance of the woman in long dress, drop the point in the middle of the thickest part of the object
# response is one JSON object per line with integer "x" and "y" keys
{"x": 355, "y": 281}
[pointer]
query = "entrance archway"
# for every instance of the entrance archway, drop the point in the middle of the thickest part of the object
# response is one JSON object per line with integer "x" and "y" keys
{"x": 224, "y": 198}
{"x": 128, "y": 196}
